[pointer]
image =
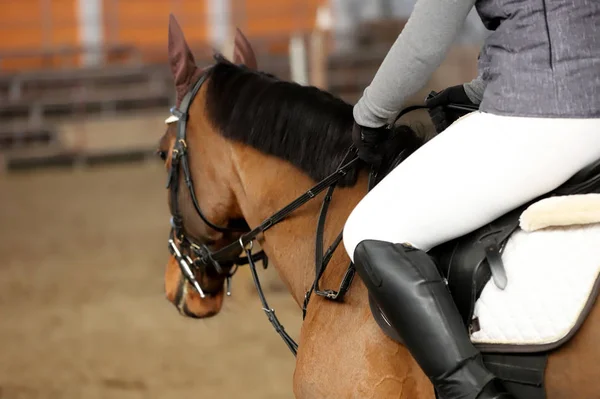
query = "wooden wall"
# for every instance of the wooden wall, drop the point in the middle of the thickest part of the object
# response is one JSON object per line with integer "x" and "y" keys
{"x": 144, "y": 23}
{"x": 28, "y": 27}
{"x": 31, "y": 26}
{"x": 275, "y": 18}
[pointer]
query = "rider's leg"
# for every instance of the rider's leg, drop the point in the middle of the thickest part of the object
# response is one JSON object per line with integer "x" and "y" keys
{"x": 478, "y": 169}
{"x": 406, "y": 284}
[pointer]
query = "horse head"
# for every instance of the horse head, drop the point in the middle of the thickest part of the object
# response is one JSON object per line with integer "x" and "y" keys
{"x": 203, "y": 197}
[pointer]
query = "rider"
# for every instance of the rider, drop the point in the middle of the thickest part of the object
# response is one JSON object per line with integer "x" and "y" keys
{"x": 538, "y": 124}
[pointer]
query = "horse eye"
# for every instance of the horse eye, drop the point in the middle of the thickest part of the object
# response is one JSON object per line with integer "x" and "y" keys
{"x": 162, "y": 154}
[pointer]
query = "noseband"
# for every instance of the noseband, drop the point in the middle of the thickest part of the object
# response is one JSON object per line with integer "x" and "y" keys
{"x": 226, "y": 260}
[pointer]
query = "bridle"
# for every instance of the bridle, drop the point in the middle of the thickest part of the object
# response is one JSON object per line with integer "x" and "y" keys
{"x": 202, "y": 256}
{"x": 191, "y": 255}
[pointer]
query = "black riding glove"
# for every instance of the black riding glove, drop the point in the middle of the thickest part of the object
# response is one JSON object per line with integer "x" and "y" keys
{"x": 368, "y": 141}
{"x": 440, "y": 114}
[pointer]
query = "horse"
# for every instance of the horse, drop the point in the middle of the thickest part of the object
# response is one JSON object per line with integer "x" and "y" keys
{"x": 251, "y": 158}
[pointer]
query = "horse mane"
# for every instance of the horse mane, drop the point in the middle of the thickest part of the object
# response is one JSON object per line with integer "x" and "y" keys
{"x": 305, "y": 126}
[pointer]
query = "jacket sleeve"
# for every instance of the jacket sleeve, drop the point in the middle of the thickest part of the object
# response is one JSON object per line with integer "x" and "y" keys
{"x": 417, "y": 53}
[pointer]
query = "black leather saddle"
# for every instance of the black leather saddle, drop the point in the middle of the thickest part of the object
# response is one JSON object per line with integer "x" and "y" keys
{"x": 468, "y": 262}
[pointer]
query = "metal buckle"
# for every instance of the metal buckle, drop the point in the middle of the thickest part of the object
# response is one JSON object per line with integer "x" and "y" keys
{"x": 177, "y": 113}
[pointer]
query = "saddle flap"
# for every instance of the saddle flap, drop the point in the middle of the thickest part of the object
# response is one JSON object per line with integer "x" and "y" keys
{"x": 464, "y": 261}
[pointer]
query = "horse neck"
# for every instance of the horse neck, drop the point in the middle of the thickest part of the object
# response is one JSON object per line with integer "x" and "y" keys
{"x": 267, "y": 184}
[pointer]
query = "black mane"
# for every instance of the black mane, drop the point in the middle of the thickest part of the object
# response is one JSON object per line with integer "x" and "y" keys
{"x": 303, "y": 125}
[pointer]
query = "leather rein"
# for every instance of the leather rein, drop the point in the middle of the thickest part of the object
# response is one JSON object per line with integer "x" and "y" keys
{"x": 226, "y": 260}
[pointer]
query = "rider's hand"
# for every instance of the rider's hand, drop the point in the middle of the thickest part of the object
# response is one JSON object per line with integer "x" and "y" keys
{"x": 440, "y": 114}
{"x": 369, "y": 143}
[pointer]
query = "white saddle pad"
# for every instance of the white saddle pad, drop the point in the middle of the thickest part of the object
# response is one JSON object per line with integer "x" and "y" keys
{"x": 551, "y": 274}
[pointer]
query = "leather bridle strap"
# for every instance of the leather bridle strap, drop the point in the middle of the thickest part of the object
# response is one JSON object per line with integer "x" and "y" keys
{"x": 322, "y": 259}
{"x": 179, "y": 162}
{"x": 232, "y": 249}
{"x": 270, "y": 312}
{"x": 181, "y": 159}
{"x": 246, "y": 241}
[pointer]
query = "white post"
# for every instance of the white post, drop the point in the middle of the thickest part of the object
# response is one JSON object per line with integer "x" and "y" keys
{"x": 297, "y": 54}
{"x": 318, "y": 48}
{"x": 219, "y": 23}
{"x": 91, "y": 32}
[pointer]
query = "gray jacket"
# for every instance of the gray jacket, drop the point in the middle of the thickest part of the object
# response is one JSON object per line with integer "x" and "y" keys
{"x": 541, "y": 60}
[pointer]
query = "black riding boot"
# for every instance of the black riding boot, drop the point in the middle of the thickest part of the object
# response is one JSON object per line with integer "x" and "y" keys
{"x": 406, "y": 284}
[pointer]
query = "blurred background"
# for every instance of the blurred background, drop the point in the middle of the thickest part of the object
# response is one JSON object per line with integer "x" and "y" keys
{"x": 84, "y": 91}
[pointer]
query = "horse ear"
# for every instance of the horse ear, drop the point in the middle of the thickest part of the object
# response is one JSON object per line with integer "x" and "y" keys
{"x": 181, "y": 60}
{"x": 242, "y": 51}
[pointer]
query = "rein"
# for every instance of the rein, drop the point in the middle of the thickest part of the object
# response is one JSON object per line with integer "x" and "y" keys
{"x": 228, "y": 256}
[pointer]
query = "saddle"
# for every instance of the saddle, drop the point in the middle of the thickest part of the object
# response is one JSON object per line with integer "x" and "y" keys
{"x": 468, "y": 262}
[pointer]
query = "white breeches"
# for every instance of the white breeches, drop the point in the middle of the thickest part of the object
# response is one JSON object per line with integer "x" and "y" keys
{"x": 478, "y": 169}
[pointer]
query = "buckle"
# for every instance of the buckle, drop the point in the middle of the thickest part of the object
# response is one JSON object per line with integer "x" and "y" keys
{"x": 177, "y": 113}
